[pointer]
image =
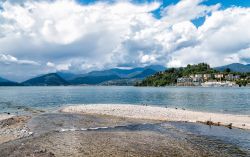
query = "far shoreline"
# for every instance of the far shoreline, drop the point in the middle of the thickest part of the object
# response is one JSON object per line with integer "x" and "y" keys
{"x": 90, "y": 85}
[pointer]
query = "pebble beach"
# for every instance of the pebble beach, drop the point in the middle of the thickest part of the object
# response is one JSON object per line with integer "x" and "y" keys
{"x": 161, "y": 113}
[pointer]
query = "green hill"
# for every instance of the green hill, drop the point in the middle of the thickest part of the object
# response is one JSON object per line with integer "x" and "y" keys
{"x": 169, "y": 77}
{"x": 235, "y": 67}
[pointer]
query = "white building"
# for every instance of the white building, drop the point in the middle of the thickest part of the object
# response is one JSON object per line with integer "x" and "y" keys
{"x": 231, "y": 77}
{"x": 218, "y": 76}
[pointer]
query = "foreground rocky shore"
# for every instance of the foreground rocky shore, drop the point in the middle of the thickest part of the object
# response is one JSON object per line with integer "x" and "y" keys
{"x": 97, "y": 132}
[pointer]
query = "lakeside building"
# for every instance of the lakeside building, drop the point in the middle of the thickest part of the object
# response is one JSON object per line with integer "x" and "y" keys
{"x": 218, "y": 76}
{"x": 198, "y": 76}
{"x": 185, "y": 81}
{"x": 192, "y": 76}
{"x": 232, "y": 77}
{"x": 207, "y": 77}
{"x": 197, "y": 81}
{"x": 207, "y": 80}
{"x": 189, "y": 81}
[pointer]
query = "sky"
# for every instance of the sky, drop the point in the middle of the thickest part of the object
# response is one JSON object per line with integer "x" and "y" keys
{"x": 44, "y": 36}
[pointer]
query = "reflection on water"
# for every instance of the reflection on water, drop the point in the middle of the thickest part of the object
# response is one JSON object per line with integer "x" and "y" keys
{"x": 227, "y": 100}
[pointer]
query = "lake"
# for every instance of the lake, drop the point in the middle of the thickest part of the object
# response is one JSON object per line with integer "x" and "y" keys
{"x": 28, "y": 100}
{"x": 222, "y": 100}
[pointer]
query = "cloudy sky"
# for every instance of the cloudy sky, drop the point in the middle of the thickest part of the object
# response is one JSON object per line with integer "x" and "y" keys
{"x": 42, "y": 36}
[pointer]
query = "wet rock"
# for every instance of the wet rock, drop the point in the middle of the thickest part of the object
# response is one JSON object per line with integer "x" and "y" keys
{"x": 218, "y": 124}
{"x": 230, "y": 126}
{"x": 51, "y": 154}
{"x": 210, "y": 122}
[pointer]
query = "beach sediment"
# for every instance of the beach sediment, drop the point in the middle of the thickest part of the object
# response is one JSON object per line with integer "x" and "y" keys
{"x": 162, "y": 114}
{"x": 13, "y": 127}
{"x": 91, "y": 134}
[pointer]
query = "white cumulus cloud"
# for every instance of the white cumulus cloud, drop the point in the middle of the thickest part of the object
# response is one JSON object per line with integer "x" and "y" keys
{"x": 8, "y": 59}
{"x": 67, "y": 35}
{"x": 59, "y": 67}
{"x": 187, "y": 10}
{"x": 224, "y": 38}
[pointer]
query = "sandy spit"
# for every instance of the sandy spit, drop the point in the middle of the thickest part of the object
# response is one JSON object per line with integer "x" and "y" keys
{"x": 160, "y": 113}
{"x": 5, "y": 116}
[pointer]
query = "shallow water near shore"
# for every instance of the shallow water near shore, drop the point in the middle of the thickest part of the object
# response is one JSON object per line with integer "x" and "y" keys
{"x": 235, "y": 142}
{"x": 19, "y": 100}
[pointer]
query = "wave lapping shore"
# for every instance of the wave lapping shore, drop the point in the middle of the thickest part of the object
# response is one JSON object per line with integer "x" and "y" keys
{"x": 160, "y": 113}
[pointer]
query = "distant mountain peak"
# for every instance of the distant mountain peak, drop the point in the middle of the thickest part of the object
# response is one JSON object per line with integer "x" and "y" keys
{"x": 235, "y": 67}
{"x": 145, "y": 73}
{"x": 156, "y": 67}
{"x": 235, "y": 64}
{"x": 51, "y": 79}
{"x": 4, "y": 80}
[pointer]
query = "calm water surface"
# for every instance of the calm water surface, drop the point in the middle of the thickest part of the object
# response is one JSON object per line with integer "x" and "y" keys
{"x": 225, "y": 100}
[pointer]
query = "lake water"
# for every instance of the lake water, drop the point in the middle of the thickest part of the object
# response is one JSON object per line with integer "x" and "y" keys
{"x": 224, "y": 100}
{"x": 18, "y": 100}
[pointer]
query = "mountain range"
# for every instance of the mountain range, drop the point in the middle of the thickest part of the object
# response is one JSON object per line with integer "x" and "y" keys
{"x": 113, "y": 76}
{"x": 235, "y": 67}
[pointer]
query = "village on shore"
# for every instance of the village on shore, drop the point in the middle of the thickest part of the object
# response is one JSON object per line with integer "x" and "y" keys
{"x": 212, "y": 80}
{"x": 197, "y": 75}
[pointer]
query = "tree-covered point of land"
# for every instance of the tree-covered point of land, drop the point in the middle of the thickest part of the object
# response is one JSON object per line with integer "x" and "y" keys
{"x": 162, "y": 78}
{"x": 169, "y": 77}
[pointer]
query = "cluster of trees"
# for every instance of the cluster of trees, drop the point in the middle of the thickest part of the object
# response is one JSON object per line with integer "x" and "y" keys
{"x": 161, "y": 78}
{"x": 242, "y": 82}
{"x": 169, "y": 77}
{"x": 241, "y": 74}
{"x": 244, "y": 77}
{"x": 201, "y": 68}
